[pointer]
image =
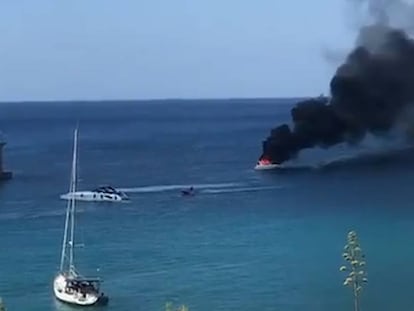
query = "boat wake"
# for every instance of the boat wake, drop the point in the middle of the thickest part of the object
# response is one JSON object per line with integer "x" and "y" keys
{"x": 166, "y": 188}
{"x": 241, "y": 189}
{"x": 203, "y": 188}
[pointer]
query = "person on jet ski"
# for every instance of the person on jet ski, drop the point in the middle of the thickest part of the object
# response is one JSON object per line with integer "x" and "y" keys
{"x": 190, "y": 191}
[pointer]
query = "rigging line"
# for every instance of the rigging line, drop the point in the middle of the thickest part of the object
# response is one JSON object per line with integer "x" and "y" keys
{"x": 65, "y": 235}
{"x": 72, "y": 233}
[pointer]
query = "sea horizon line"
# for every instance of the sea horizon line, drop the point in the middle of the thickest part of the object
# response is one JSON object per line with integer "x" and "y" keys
{"x": 155, "y": 100}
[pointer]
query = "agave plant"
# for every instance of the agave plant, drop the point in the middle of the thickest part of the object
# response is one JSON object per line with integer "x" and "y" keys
{"x": 169, "y": 307}
{"x": 355, "y": 267}
{"x": 2, "y": 306}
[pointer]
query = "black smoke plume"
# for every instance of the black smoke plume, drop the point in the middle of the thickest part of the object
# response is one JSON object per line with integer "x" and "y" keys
{"x": 368, "y": 94}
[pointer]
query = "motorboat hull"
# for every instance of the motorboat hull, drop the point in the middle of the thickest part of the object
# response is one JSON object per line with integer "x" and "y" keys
{"x": 264, "y": 167}
{"x": 63, "y": 294}
{"x": 92, "y": 196}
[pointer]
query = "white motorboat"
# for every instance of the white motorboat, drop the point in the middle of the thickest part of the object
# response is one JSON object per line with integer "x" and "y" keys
{"x": 265, "y": 164}
{"x": 100, "y": 194}
{"x": 69, "y": 286}
{"x": 261, "y": 167}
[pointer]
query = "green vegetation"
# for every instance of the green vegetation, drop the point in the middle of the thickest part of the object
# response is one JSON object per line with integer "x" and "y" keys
{"x": 2, "y": 306}
{"x": 169, "y": 307}
{"x": 355, "y": 264}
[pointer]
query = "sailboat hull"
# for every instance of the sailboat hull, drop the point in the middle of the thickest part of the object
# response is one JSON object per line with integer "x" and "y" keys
{"x": 69, "y": 295}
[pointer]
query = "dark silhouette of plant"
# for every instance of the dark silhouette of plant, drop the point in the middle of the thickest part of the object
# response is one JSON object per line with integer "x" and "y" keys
{"x": 355, "y": 264}
{"x": 2, "y": 306}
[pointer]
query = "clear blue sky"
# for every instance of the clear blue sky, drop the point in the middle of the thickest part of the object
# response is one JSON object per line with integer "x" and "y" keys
{"x": 139, "y": 49}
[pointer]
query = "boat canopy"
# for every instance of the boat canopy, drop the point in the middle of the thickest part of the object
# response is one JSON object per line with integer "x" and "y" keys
{"x": 106, "y": 189}
{"x": 110, "y": 190}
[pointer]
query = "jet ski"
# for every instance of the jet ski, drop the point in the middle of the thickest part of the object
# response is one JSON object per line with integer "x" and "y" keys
{"x": 187, "y": 192}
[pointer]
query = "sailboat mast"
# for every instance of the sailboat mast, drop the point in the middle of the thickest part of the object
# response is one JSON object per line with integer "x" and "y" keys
{"x": 72, "y": 225}
{"x": 69, "y": 211}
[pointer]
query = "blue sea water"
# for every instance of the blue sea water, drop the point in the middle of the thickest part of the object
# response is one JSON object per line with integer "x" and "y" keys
{"x": 247, "y": 241}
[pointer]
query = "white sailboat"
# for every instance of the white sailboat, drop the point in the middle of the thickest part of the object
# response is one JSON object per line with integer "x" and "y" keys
{"x": 69, "y": 286}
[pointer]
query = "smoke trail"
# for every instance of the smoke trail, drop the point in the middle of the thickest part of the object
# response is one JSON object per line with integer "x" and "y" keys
{"x": 395, "y": 13}
{"x": 369, "y": 91}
